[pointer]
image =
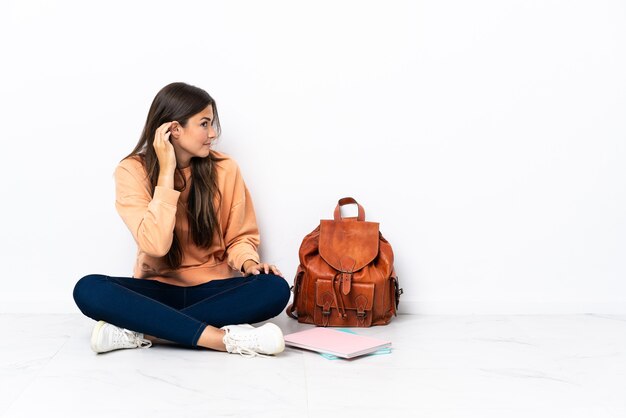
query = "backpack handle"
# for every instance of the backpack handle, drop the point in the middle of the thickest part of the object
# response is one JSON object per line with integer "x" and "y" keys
{"x": 347, "y": 201}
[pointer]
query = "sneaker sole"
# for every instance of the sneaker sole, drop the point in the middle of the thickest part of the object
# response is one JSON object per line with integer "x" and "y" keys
{"x": 94, "y": 336}
{"x": 280, "y": 339}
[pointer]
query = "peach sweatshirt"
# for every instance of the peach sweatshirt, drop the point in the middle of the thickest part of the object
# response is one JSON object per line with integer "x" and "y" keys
{"x": 153, "y": 219}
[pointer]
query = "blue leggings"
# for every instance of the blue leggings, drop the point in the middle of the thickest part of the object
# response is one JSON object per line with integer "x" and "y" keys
{"x": 177, "y": 313}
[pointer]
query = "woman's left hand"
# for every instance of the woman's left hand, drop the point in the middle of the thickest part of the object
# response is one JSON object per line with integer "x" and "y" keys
{"x": 252, "y": 268}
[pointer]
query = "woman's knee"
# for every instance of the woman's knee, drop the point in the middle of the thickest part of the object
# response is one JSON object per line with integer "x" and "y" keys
{"x": 279, "y": 289}
{"x": 85, "y": 291}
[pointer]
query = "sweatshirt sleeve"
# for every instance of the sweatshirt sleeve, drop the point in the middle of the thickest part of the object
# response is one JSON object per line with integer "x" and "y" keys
{"x": 241, "y": 235}
{"x": 150, "y": 218}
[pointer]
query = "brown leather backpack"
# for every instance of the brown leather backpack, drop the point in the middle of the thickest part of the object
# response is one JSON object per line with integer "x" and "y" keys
{"x": 346, "y": 276}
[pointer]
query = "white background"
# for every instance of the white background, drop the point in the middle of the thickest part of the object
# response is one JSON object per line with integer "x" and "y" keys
{"x": 488, "y": 138}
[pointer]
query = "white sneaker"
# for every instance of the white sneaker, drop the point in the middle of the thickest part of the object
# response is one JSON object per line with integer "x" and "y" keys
{"x": 248, "y": 341}
{"x": 106, "y": 337}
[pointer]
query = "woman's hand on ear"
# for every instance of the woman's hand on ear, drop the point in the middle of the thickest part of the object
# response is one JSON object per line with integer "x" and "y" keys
{"x": 251, "y": 267}
{"x": 164, "y": 148}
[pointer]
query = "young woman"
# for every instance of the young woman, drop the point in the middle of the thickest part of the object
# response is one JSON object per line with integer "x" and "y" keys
{"x": 192, "y": 217}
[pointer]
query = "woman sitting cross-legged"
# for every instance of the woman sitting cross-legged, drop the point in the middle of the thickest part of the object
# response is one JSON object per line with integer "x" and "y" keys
{"x": 198, "y": 280}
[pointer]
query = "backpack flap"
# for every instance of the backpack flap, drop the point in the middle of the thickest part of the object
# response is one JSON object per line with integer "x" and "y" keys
{"x": 348, "y": 246}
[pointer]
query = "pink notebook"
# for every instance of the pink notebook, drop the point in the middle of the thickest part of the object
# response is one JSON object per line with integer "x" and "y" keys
{"x": 339, "y": 343}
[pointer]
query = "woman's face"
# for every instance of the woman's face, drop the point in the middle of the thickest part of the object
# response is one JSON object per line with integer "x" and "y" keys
{"x": 195, "y": 139}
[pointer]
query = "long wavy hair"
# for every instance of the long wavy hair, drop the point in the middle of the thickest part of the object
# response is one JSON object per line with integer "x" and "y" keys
{"x": 178, "y": 102}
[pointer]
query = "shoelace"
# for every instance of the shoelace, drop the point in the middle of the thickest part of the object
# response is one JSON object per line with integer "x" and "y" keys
{"x": 244, "y": 351}
{"x": 133, "y": 337}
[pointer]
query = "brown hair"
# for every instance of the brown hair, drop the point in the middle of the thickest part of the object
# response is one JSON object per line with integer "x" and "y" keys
{"x": 178, "y": 102}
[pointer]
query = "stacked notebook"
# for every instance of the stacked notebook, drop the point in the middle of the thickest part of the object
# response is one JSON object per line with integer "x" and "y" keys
{"x": 338, "y": 343}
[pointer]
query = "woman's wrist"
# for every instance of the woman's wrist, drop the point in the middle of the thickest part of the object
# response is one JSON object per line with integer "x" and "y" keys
{"x": 166, "y": 180}
{"x": 247, "y": 264}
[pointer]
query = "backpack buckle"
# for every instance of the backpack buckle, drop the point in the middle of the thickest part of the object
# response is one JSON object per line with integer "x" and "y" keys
{"x": 326, "y": 308}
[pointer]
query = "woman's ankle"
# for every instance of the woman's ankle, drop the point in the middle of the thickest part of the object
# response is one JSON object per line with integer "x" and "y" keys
{"x": 212, "y": 338}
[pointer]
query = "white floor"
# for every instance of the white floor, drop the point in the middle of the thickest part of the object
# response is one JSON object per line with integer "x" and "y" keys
{"x": 441, "y": 366}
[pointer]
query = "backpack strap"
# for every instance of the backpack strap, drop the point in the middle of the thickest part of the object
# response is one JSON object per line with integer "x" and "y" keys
{"x": 296, "y": 291}
{"x": 398, "y": 290}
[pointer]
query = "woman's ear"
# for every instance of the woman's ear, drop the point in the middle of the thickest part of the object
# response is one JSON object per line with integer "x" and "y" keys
{"x": 175, "y": 129}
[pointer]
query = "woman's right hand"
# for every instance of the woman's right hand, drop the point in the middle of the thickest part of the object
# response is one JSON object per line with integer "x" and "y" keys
{"x": 164, "y": 148}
